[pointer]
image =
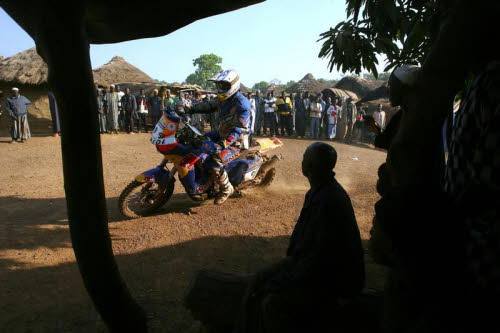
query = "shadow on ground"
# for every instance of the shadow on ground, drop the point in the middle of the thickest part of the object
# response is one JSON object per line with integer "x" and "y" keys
{"x": 52, "y": 298}
{"x": 27, "y": 224}
{"x": 158, "y": 279}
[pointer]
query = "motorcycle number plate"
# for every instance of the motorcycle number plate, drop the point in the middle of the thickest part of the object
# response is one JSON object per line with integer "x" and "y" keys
{"x": 158, "y": 138}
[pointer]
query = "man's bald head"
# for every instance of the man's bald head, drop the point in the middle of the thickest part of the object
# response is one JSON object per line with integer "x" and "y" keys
{"x": 319, "y": 160}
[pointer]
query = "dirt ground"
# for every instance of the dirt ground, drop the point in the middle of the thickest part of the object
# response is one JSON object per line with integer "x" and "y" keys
{"x": 40, "y": 286}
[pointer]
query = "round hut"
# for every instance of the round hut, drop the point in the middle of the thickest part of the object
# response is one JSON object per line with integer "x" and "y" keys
{"x": 307, "y": 83}
{"x": 358, "y": 85}
{"x": 28, "y": 72}
{"x": 341, "y": 94}
{"x": 378, "y": 93}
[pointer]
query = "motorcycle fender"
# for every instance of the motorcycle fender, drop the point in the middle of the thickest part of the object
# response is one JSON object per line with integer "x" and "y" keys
{"x": 151, "y": 175}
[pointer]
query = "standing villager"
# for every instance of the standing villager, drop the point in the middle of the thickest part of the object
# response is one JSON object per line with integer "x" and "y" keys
{"x": 168, "y": 102}
{"x": 284, "y": 108}
{"x": 121, "y": 114}
{"x": 332, "y": 113}
{"x": 307, "y": 105}
{"x": 326, "y": 120}
{"x": 112, "y": 101}
{"x": 101, "y": 111}
{"x": 315, "y": 113}
{"x": 380, "y": 117}
{"x": 348, "y": 115}
{"x": 270, "y": 115}
{"x": 142, "y": 110}
{"x": 300, "y": 116}
{"x": 253, "y": 108}
{"x": 198, "y": 120}
{"x": 359, "y": 126}
{"x": 323, "y": 111}
{"x": 259, "y": 112}
{"x": 17, "y": 108}
{"x": 214, "y": 117}
{"x": 324, "y": 260}
{"x": 54, "y": 114}
{"x": 155, "y": 106}
{"x": 129, "y": 107}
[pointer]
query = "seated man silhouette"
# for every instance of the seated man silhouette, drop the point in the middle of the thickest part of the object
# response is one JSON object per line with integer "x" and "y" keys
{"x": 324, "y": 265}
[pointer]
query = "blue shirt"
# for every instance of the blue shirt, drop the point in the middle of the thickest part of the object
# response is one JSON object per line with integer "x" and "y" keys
{"x": 17, "y": 106}
{"x": 155, "y": 102}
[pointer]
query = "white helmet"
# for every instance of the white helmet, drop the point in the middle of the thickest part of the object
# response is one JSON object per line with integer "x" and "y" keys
{"x": 227, "y": 83}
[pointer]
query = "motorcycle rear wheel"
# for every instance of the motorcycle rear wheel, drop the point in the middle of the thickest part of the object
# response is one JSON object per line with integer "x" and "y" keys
{"x": 155, "y": 202}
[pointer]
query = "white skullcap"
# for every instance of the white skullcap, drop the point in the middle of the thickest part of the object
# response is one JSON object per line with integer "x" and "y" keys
{"x": 112, "y": 86}
{"x": 15, "y": 89}
{"x": 407, "y": 74}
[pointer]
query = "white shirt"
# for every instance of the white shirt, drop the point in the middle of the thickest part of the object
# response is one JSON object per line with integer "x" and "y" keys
{"x": 332, "y": 113}
{"x": 120, "y": 95}
{"x": 379, "y": 117}
{"x": 252, "y": 113}
{"x": 270, "y": 104}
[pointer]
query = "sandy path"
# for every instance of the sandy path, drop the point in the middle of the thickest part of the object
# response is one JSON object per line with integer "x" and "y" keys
{"x": 40, "y": 287}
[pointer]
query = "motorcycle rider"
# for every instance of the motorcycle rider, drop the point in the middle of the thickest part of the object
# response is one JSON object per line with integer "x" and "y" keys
{"x": 232, "y": 134}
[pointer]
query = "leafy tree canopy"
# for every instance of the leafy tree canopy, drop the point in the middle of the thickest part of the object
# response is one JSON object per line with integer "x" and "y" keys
{"x": 207, "y": 66}
{"x": 402, "y": 30}
{"x": 262, "y": 86}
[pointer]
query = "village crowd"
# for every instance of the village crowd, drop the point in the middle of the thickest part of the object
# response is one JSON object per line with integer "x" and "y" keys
{"x": 300, "y": 115}
{"x": 305, "y": 115}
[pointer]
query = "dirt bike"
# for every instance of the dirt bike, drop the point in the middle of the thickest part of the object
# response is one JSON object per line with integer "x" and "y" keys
{"x": 150, "y": 190}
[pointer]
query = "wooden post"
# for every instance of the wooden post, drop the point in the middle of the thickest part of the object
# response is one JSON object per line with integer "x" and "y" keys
{"x": 65, "y": 48}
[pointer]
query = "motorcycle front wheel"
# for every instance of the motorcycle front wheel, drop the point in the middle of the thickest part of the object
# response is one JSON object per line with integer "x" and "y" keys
{"x": 141, "y": 199}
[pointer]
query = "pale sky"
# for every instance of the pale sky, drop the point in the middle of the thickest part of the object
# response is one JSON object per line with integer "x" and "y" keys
{"x": 276, "y": 39}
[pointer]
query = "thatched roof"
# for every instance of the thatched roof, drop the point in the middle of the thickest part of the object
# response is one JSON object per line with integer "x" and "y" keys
{"x": 335, "y": 92}
{"x": 244, "y": 88}
{"x": 307, "y": 83}
{"x": 28, "y": 67}
{"x": 118, "y": 70}
{"x": 358, "y": 85}
{"x": 378, "y": 93}
{"x": 24, "y": 68}
{"x": 275, "y": 89}
{"x": 177, "y": 87}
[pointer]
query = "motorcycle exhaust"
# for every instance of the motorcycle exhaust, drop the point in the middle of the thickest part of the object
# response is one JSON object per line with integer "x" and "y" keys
{"x": 271, "y": 163}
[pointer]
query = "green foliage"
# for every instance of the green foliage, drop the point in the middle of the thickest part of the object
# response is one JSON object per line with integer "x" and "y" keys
{"x": 402, "y": 30}
{"x": 262, "y": 86}
{"x": 207, "y": 66}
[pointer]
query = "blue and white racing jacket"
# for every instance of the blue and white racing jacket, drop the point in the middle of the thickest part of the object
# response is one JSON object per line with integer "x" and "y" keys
{"x": 234, "y": 118}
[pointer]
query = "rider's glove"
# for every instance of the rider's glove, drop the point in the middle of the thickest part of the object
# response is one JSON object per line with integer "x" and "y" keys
{"x": 221, "y": 144}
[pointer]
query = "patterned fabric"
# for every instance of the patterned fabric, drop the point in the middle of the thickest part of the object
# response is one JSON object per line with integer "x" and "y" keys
{"x": 20, "y": 129}
{"x": 473, "y": 177}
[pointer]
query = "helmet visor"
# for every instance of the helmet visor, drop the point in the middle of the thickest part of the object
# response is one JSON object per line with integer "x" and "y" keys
{"x": 222, "y": 86}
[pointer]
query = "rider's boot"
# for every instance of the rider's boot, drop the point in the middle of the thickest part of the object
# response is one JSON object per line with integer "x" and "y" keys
{"x": 225, "y": 188}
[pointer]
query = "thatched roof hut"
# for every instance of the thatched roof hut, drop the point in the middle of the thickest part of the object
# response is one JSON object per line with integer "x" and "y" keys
{"x": 244, "y": 88}
{"x": 358, "y": 85}
{"x": 339, "y": 93}
{"x": 24, "y": 68}
{"x": 380, "y": 92}
{"x": 307, "y": 83}
{"x": 275, "y": 89}
{"x": 28, "y": 72}
{"x": 117, "y": 70}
